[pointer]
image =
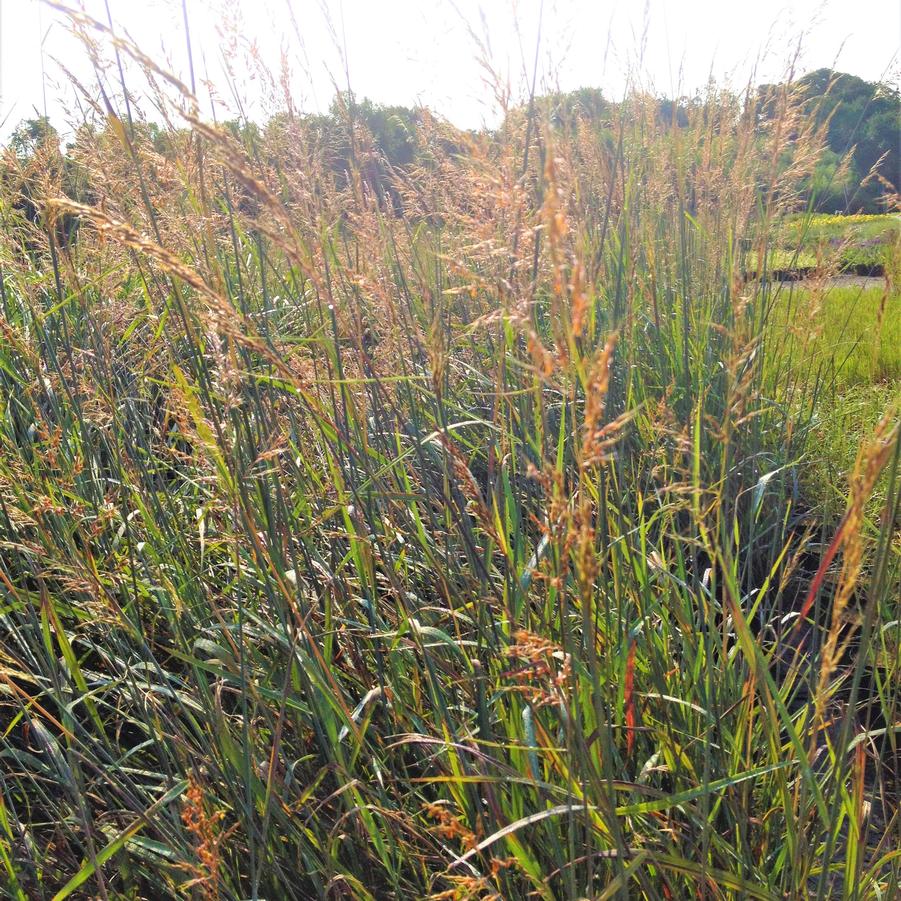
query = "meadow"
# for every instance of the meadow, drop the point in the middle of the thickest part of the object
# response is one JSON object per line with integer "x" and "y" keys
{"x": 845, "y": 336}
{"x": 855, "y": 243}
{"x": 493, "y": 536}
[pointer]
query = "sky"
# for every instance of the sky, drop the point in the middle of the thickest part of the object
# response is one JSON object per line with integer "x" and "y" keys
{"x": 432, "y": 52}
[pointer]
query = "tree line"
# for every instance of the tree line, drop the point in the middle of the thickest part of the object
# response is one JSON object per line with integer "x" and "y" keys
{"x": 859, "y": 168}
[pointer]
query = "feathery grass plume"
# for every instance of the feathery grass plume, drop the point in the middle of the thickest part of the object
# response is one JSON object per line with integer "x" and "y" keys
{"x": 851, "y": 539}
{"x": 205, "y": 829}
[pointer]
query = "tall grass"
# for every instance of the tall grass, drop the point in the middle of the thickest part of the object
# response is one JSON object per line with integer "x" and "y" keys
{"x": 450, "y": 553}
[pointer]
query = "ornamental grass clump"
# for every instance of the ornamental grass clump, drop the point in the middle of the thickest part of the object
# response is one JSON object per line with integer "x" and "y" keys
{"x": 429, "y": 531}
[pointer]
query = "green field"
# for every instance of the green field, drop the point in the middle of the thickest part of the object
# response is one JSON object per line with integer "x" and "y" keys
{"x": 845, "y": 351}
{"x": 839, "y": 242}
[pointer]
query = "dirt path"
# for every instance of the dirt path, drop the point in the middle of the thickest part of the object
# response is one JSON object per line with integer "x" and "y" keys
{"x": 840, "y": 281}
{"x": 856, "y": 281}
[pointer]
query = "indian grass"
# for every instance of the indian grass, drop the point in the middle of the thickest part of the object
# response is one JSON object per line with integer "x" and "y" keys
{"x": 454, "y": 550}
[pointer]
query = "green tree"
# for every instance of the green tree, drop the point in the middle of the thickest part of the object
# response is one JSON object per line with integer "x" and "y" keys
{"x": 861, "y": 118}
{"x": 31, "y": 135}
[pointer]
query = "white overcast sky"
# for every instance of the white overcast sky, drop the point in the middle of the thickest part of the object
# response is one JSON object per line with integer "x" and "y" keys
{"x": 404, "y": 51}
